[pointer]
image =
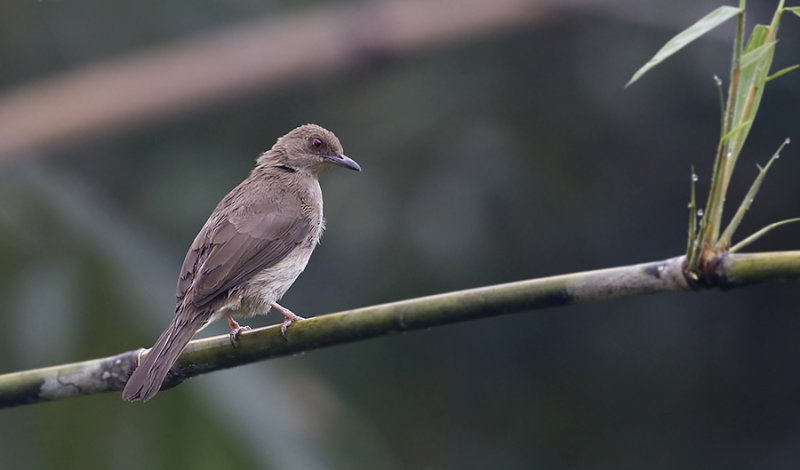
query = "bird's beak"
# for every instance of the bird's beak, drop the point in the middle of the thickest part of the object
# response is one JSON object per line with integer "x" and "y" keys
{"x": 343, "y": 161}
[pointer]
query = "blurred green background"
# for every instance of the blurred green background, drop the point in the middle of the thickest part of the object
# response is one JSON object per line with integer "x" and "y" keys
{"x": 500, "y": 154}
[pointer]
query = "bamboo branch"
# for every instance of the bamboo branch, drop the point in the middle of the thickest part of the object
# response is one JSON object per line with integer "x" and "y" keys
{"x": 215, "y": 353}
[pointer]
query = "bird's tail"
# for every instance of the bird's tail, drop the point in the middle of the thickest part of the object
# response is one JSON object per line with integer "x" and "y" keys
{"x": 146, "y": 380}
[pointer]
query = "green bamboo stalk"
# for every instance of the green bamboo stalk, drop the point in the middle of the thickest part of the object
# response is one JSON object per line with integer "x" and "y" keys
{"x": 712, "y": 216}
{"x": 735, "y": 270}
{"x": 215, "y": 353}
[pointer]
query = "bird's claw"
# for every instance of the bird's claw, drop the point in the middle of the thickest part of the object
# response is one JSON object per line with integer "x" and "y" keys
{"x": 288, "y": 322}
{"x": 289, "y": 317}
{"x": 236, "y": 330}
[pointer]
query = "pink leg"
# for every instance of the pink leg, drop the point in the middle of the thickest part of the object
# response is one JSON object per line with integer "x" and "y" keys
{"x": 236, "y": 330}
{"x": 289, "y": 316}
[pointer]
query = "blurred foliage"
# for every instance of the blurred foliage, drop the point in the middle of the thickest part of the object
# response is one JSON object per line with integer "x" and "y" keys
{"x": 513, "y": 156}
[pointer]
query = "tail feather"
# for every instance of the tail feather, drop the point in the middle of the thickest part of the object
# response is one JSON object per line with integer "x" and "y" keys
{"x": 147, "y": 379}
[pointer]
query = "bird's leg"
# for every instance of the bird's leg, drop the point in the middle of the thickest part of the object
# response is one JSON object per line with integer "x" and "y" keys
{"x": 236, "y": 330}
{"x": 289, "y": 316}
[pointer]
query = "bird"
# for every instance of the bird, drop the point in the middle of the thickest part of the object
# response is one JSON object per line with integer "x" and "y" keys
{"x": 251, "y": 249}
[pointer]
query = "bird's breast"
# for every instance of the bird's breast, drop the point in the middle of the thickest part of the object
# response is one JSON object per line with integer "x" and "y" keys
{"x": 255, "y": 295}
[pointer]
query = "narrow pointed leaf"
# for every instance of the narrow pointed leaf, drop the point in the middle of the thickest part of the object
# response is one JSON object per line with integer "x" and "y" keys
{"x": 761, "y": 233}
{"x": 704, "y": 25}
{"x": 795, "y": 10}
{"x": 736, "y": 129}
{"x": 757, "y": 53}
{"x": 725, "y": 239}
{"x": 692, "y": 216}
{"x": 751, "y": 87}
{"x": 782, "y": 71}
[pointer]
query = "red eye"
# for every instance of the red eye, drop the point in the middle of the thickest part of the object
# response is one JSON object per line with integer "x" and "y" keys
{"x": 316, "y": 143}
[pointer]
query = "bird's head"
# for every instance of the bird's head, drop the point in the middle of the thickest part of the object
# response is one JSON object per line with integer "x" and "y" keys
{"x": 310, "y": 148}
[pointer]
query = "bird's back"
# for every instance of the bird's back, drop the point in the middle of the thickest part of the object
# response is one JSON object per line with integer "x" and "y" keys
{"x": 254, "y": 245}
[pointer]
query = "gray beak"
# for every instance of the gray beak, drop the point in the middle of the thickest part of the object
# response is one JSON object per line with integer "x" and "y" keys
{"x": 343, "y": 161}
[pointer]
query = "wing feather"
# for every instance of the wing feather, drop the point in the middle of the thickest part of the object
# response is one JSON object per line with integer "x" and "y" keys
{"x": 232, "y": 248}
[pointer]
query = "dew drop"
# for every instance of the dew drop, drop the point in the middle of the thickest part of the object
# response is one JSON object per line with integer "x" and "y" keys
{"x": 699, "y": 212}
{"x": 717, "y": 80}
{"x": 695, "y": 178}
{"x": 787, "y": 141}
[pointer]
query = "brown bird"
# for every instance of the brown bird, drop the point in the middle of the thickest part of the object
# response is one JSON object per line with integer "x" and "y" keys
{"x": 250, "y": 251}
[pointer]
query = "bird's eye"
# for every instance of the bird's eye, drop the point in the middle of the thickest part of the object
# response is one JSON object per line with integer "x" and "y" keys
{"x": 316, "y": 143}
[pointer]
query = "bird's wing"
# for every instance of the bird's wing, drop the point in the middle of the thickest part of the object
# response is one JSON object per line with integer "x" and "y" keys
{"x": 231, "y": 249}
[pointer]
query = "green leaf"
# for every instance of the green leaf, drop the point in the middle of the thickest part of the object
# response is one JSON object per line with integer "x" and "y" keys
{"x": 692, "y": 217}
{"x": 725, "y": 239}
{"x": 761, "y": 233}
{"x": 757, "y": 53}
{"x": 704, "y": 25}
{"x": 782, "y": 71}
{"x": 795, "y": 10}
{"x": 736, "y": 129}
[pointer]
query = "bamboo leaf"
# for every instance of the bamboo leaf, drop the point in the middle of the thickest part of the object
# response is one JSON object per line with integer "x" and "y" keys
{"x": 725, "y": 240}
{"x": 761, "y": 233}
{"x": 757, "y": 53}
{"x": 704, "y": 25}
{"x": 760, "y": 51}
{"x": 782, "y": 71}
{"x": 736, "y": 129}
{"x": 692, "y": 216}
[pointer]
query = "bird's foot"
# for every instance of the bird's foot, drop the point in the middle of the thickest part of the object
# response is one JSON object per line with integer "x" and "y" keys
{"x": 236, "y": 330}
{"x": 289, "y": 317}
